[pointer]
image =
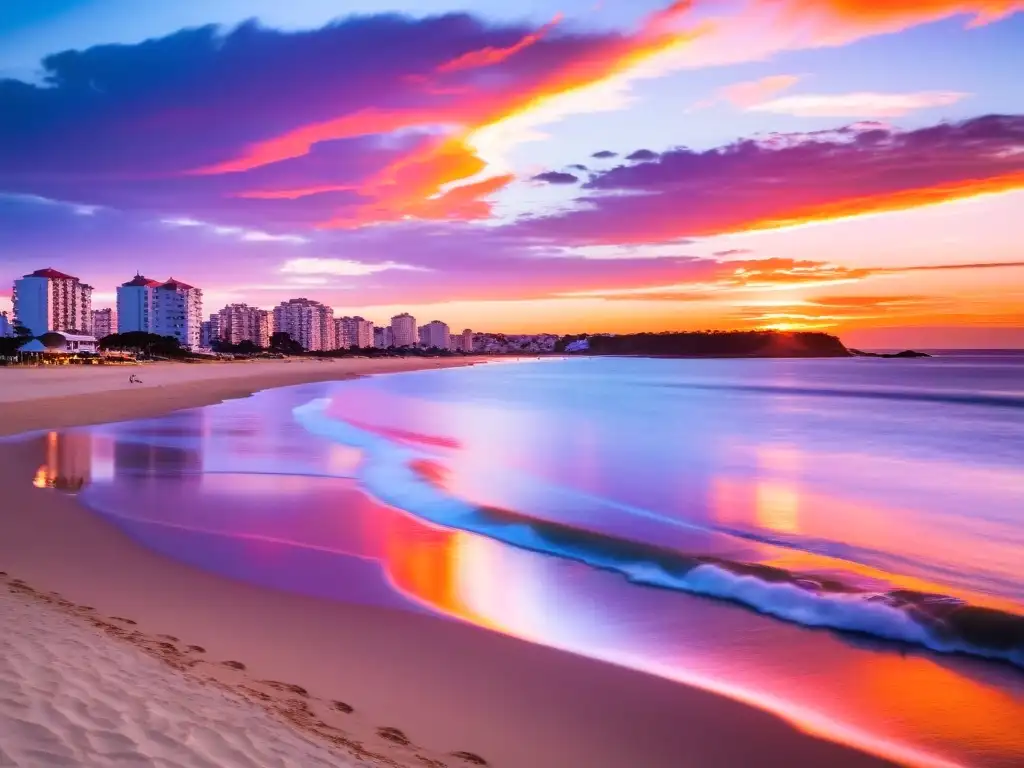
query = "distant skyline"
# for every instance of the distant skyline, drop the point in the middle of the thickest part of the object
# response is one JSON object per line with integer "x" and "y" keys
{"x": 844, "y": 165}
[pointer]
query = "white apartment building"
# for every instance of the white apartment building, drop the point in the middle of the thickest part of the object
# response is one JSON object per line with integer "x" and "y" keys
{"x": 240, "y": 322}
{"x": 172, "y": 308}
{"x": 135, "y": 305}
{"x": 48, "y": 300}
{"x": 6, "y": 326}
{"x": 308, "y": 322}
{"x": 178, "y": 312}
{"x": 435, "y": 334}
{"x": 354, "y": 332}
{"x": 403, "y": 330}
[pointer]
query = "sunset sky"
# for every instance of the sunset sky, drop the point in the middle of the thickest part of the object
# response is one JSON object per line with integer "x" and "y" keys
{"x": 550, "y": 165}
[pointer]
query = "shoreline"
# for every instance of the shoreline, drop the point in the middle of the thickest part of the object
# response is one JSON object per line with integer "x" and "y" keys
{"x": 75, "y": 396}
{"x": 444, "y": 687}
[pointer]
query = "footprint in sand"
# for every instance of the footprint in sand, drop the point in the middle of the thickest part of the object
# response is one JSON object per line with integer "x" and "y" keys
{"x": 341, "y": 706}
{"x": 470, "y": 757}
{"x": 123, "y": 620}
{"x": 287, "y": 687}
{"x": 393, "y": 735}
{"x": 234, "y": 664}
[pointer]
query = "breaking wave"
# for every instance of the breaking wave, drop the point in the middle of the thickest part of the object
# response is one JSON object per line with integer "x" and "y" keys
{"x": 400, "y": 476}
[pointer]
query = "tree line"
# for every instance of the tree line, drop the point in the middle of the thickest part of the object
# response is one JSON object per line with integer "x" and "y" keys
{"x": 714, "y": 344}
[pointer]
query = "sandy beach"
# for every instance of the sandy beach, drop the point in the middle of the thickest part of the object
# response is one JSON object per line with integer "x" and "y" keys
{"x": 252, "y": 676}
{"x": 63, "y": 396}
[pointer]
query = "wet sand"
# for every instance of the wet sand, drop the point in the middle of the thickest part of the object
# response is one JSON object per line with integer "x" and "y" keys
{"x": 385, "y": 686}
{"x": 71, "y": 395}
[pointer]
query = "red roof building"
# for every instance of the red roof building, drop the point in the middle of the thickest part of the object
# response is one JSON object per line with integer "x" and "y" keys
{"x": 52, "y": 274}
{"x": 140, "y": 282}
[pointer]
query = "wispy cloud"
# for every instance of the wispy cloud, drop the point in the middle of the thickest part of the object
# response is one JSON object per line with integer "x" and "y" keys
{"x": 240, "y": 233}
{"x": 342, "y": 267}
{"x": 80, "y": 209}
{"x": 750, "y": 92}
{"x": 865, "y": 104}
{"x": 737, "y": 276}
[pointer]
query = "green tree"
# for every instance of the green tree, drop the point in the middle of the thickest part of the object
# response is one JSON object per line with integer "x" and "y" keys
{"x": 283, "y": 342}
{"x": 145, "y": 343}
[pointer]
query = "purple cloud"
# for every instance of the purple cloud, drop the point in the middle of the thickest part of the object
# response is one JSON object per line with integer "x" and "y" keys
{"x": 556, "y": 177}
{"x": 155, "y": 111}
{"x": 793, "y": 178}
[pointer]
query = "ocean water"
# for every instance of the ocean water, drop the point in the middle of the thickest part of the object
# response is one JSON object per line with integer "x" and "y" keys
{"x": 838, "y": 541}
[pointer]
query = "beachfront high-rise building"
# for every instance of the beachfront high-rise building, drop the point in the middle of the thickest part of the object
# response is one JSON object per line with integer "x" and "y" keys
{"x": 135, "y": 305}
{"x": 354, "y": 332}
{"x": 48, "y": 300}
{"x": 240, "y": 322}
{"x": 6, "y": 326}
{"x": 103, "y": 322}
{"x": 344, "y": 332}
{"x": 460, "y": 342}
{"x": 435, "y": 334}
{"x": 403, "y": 330}
{"x": 172, "y": 308}
{"x": 382, "y": 338}
{"x": 209, "y": 331}
{"x": 364, "y": 332}
{"x": 177, "y": 311}
{"x": 307, "y": 322}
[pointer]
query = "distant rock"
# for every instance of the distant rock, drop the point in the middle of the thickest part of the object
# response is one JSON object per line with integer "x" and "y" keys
{"x": 907, "y": 353}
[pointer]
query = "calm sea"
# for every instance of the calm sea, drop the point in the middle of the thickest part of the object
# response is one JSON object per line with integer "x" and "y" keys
{"x": 837, "y": 541}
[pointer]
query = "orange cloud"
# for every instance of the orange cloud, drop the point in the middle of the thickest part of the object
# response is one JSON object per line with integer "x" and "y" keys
{"x": 486, "y": 57}
{"x": 487, "y": 121}
{"x": 298, "y": 142}
{"x": 729, "y": 277}
{"x": 463, "y": 203}
{"x": 415, "y": 185}
{"x": 878, "y": 16}
{"x": 887, "y": 203}
{"x": 293, "y": 194}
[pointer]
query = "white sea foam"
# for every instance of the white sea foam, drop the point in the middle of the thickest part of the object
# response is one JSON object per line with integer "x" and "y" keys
{"x": 70, "y": 696}
{"x": 388, "y": 474}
